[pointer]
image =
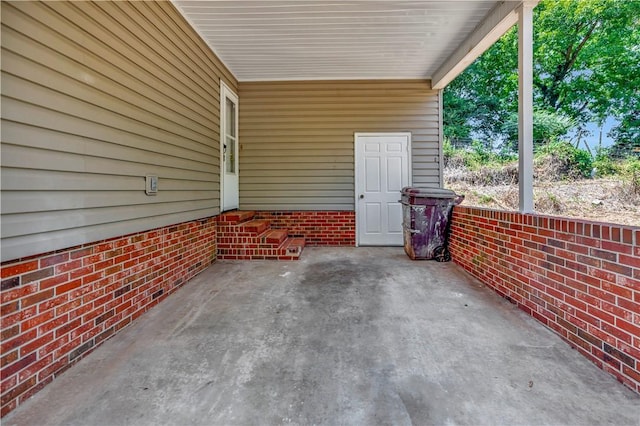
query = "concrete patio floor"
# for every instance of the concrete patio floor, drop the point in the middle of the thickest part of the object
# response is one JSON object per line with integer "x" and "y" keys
{"x": 343, "y": 336}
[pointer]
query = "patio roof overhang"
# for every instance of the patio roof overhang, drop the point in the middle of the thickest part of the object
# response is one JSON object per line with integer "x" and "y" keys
{"x": 297, "y": 40}
{"x": 340, "y": 40}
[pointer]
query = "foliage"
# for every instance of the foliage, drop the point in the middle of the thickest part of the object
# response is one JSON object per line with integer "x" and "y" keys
{"x": 560, "y": 158}
{"x": 455, "y": 122}
{"x": 604, "y": 163}
{"x": 630, "y": 171}
{"x": 478, "y": 155}
{"x": 448, "y": 151}
{"x": 565, "y": 160}
{"x": 549, "y": 202}
{"x": 547, "y": 127}
{"x": 485, "y": 199}
{"x": 586, "y": 56}
{"x": 627, "y": 135}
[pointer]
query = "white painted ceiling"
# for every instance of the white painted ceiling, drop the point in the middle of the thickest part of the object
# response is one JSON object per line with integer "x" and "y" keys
{"x": 334, "y": 40}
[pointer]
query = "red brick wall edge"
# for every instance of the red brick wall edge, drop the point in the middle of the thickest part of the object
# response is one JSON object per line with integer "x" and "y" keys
{"x": 579, "y": 278}
{"x": 58, "y": 307}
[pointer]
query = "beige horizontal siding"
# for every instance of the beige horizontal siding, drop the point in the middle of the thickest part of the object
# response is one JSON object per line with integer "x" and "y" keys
{"x": 96, "y": 95}
{"x": 297, "y": 138}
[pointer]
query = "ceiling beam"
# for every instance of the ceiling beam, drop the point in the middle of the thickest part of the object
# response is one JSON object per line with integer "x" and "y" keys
{"x": 502, "y": 17}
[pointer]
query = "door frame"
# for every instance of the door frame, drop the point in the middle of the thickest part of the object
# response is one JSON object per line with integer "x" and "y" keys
{"x": 226, "y": 92}
{"x": 356, "y": 169}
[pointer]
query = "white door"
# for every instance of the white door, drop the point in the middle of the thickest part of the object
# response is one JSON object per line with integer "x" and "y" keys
{"x": 229, "y": 185}
{"x": 382, "y": 170}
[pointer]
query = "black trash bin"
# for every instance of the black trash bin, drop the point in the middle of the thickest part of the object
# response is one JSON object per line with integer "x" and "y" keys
{"x": 426, "y": 213}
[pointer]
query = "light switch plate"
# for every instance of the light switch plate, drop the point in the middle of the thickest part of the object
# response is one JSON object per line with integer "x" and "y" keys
{"x": 151, "y": 187}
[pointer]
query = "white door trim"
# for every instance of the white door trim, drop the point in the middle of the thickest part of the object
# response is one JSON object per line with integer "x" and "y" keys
{"x": 356, "y": 169}
{"x": 226, "y": 92}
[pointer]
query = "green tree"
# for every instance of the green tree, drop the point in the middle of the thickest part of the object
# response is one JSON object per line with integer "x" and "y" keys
{"x": 627, "y": 137}
{"x": 548, "y": 127}
{"x": 586, "y": 61}
{"x": 479, "y": 99}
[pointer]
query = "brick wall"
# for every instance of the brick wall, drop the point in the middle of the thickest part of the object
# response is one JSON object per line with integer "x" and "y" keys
{"x": 319, "y": 228}
{"x": 58, "y": 307}
{"x": 580, "y": 278}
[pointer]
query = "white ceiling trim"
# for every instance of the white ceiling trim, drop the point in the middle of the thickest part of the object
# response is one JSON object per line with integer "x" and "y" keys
{"x": 300, "y": 40}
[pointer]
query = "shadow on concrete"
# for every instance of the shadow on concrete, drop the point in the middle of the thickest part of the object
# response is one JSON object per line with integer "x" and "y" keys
{"x": 343, "y": 336}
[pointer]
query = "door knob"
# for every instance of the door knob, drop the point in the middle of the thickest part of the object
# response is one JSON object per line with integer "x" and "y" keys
{"x": 361, "y": 196}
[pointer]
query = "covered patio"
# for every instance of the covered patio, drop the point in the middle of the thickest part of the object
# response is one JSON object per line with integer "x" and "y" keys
{"x": 130, "y": 129}
{"x": 343, "y": 336}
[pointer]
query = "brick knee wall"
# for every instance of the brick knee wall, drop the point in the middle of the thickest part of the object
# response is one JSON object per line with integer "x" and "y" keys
{"x": 58, "y": 307}
{"x": 579, "y": 278}
{"x": 319, "y": 228}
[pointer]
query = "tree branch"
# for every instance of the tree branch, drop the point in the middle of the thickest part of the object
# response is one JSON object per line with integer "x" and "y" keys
{"x": 563, "y": 69}
{"x": 584, "y": 41}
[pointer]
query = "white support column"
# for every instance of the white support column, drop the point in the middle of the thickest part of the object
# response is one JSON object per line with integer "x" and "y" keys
{"x": 525, "y": 105}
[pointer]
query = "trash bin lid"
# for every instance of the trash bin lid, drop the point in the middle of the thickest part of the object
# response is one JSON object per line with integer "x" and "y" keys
{"x": 428, "y": 192}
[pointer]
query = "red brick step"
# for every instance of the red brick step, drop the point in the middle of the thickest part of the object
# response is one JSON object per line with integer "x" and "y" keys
{"x": 257, "y": 226}
{"x": 235, "y": 217}
{"x": 241, "y": 237}
{"x": 275, "y": 237}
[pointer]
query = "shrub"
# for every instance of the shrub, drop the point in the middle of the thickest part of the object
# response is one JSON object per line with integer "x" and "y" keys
{"x": 486, "y": 199}
{"x": 548, "y": 127}
{"x": 604, "y": 164}
{"x": 448, "y": 151}
{"x": 549, "y": 203}
{"x": 476, "y": 156}
{"x": 630, "y": 172}
{"x": 561, "y": 160}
